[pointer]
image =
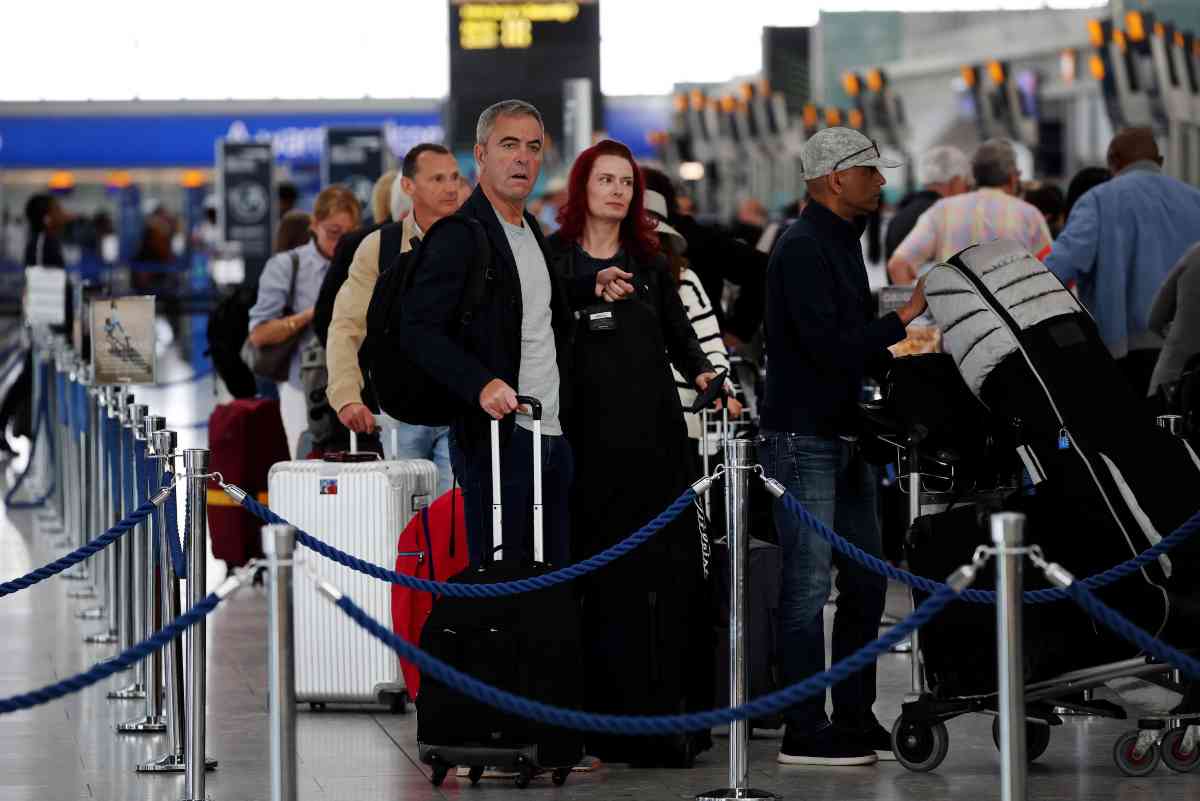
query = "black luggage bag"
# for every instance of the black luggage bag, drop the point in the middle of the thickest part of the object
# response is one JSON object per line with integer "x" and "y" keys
{"x": 527, "y": 644}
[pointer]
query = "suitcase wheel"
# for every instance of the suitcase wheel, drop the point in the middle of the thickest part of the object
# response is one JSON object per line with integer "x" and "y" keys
{"x": 475, "y": 774}
{"x": 559, "y": 777}
{"x": 440, "y": 769}
{"x": 525, "y": 772}
{"x": 396, "y": 702}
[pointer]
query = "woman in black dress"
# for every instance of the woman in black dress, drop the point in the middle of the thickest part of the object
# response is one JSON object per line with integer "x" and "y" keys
{"x": 648, "y": 643}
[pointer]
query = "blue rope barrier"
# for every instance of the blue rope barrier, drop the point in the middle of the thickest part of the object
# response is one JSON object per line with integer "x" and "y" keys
{"x": 499, "y": 589}
{"x": 79, "y": 554}
{"x": 1126, "y": 568}
{"x": 42, "y": 424}
{"x": 1139, "y": 637}
{"x": 763, "y": 706}
{"x": 178, "y": 560}
{"x": 118, "y": 663}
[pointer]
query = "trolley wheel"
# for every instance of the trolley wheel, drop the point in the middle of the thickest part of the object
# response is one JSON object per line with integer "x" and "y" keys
{"x": 475, "y": 774}
{"x": 1037, "y": 738}
{"x": 559, "y": 777}
{"x": 440, "y": 769}
{"x": 1173, "y": 754}
{"x": 397, "y": 703}
{"x": 524, "y": 777}
{"x": 1131, "y": 765}
{"x": 920, "y": 746}
{"x": 316, "y": 706}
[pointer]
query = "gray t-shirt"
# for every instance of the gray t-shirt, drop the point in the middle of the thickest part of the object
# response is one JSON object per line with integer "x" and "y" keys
{"x": 539, "y": 360}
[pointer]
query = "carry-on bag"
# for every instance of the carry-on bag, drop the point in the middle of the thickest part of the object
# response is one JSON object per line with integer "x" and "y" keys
{"x": 246, "y": 437}
{"x": 528, "y": 644}
{"x": 359, "y": 504}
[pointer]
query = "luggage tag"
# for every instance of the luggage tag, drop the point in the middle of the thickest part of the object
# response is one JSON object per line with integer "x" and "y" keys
{"x": 1064, "y": 439}
{"x": 601, "y": 317}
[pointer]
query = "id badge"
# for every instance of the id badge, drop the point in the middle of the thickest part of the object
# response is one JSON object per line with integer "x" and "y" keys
{"x": 601, "y": 317}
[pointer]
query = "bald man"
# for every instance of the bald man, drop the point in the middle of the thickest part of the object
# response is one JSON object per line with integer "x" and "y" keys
{"x": 1122, "y": 239}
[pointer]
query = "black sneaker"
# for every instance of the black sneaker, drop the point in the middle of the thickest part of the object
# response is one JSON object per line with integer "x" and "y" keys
{"x": 879, "y": 740}
{"x": 830, "y": 746}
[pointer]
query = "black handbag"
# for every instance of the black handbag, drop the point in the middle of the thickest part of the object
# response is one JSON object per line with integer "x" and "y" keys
{"x": 274, "y": 361}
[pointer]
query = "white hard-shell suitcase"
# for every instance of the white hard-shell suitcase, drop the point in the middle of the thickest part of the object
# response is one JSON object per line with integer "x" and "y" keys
{"x": 361, "y": 508}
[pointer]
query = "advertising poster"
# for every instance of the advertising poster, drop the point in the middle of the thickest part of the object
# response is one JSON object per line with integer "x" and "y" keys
{"x": 123, "y": 340}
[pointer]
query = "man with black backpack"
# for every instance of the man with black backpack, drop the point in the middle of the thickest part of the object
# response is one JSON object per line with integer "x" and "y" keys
{"x": 429, "y": 176}
{"x": 510, "y": 335}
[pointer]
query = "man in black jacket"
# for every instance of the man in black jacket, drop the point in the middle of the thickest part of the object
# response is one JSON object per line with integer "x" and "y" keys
{"x": 822, "y": 339}
{"x": 515, "y": 341}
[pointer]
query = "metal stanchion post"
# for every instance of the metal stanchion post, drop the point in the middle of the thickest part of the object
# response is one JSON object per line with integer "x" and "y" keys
{"x": 195, "y": 465}
{"x": 739, "y": 464}
{"x": 1008, "y": 530}
{"x": 914, "y": 511}
{"x": 279, "y": 544}
{"x": 97, "y": 488}
{"x": 106, "y": 411}
{"x": 126, "y": 576}
{"x": 146, "y": 594}
{"x": 85, "y": 477}
{"x": 72, "y": 466}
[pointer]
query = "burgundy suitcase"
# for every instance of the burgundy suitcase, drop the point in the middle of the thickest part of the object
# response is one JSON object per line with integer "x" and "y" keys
{"x": 246, "y": 437}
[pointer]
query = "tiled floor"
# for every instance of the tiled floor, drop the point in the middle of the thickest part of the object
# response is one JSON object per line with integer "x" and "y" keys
{"x": 69, "y": 749}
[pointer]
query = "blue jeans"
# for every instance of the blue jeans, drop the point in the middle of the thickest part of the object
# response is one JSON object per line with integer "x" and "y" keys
{"x": 407, "y": 441}
{"x": 833, "y": 481}
{"x": 474, "y": 470}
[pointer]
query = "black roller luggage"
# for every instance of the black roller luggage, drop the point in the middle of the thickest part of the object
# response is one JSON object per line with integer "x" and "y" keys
{"x": 528, "y": 644}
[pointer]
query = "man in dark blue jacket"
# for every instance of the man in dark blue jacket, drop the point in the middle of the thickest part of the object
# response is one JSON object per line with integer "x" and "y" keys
{"x": 516, "y": 341}
{"x": 821, "y": 340}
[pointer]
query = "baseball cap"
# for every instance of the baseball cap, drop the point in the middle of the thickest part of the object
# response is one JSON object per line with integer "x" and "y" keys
{"x": 835, "y": 149}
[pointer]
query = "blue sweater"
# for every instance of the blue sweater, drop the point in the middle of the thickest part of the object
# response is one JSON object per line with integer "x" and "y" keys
{"x": 821, "y": 335}
{"x": 1121, "y": 240}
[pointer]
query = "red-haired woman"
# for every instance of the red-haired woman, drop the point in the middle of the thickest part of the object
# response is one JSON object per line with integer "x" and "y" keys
{"x": 647, "y": 616}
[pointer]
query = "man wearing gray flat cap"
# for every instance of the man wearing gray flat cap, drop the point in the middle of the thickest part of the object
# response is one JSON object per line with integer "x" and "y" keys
{"x": 822, "y": 339}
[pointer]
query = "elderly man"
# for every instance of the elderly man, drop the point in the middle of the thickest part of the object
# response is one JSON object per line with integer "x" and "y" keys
{"x": 992, "y": 211}
{"x": 822, "y": 337}
{"x": 945, "y": 172}
{"x": 1121, "y": 241}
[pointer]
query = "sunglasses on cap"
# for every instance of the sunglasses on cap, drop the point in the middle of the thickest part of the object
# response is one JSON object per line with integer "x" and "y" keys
{"x": 869, "y": 148}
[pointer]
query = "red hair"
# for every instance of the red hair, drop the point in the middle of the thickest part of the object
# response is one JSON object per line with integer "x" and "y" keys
{"x": 637, "y": 234}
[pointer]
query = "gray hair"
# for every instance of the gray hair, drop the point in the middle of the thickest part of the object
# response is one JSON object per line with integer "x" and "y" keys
{"x": 994, "y": 163}
{"x": 505, "y": 108}
{"x": 942, "y": 164}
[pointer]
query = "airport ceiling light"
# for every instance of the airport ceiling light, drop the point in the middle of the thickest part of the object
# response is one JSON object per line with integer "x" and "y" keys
{"x": 833, "y": 116}
{"x": 61, "y": 181}
{"x": 996, "y": 72}
{"x": 728, "y": 103}
{"x": 1119, "y": 38}
{"x": 1135, "y": 26}
{"x": 118, "y": 180}
{"x": 856, "y": 119}
{"x": 1179, "y": 40}
{"x": 764, "y": 87}
{"x": 876, "y": 79}
{"x": 1096, "y": 66}
{"x": 192, "y": 179}
{"x": 811, "y": 115}
{"x": 697, "y": 99}
{"x": 1097, "y": 33}
{"x": 852, "y": 84}
{"x": 691, "y": 171}
{"x": 1068, "y": 65}
{"x": 970, "y": 75}
{"x": 746, "y": 92}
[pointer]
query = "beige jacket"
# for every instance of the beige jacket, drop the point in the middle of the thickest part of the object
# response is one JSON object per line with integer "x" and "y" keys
{"x": 348, "y": 328}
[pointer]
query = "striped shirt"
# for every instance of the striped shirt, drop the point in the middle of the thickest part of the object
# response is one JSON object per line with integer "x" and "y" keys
{"x": 703, "y": 317}
{"x": 957, "y": 222}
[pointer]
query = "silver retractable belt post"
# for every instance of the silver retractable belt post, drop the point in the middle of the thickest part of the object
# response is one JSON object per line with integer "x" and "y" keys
{"x": 146, "y": 596}
{"x": 739, "y": 465}
{"x": 1008, "y": 530}
{"x": 72, "y": 467}
{"x": 126, "y": 578}
{"x": 106, "y": 405}
{"x": 279, "y": 544}
{"x": 94, "y": 491}
{"x": 196, "y": 465}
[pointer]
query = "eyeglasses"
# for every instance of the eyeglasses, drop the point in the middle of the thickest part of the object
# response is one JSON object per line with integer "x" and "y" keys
{"x": 873, "y": 146}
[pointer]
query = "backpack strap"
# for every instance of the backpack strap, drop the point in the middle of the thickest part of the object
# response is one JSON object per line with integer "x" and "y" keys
{"x": 391, "y": 242}
{"x": 290, "y": 308}
{"x": 481, "y": 272}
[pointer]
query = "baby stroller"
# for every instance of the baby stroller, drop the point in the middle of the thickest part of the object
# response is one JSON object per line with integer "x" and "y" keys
{"x": 1098, "y": 484}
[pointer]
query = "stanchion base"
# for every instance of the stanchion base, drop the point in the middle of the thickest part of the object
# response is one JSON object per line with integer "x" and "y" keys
{"x": 134, "y": 692}
{"x": 143, "y": 725}
{"x": 103, "y": 638}
{"x": 727, "y": 793}
{"x": 82, "y": 595}
{"x": 171, "y": 763}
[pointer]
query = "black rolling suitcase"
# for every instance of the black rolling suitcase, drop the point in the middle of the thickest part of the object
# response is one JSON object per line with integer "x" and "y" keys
{"x": 528, "y": 644}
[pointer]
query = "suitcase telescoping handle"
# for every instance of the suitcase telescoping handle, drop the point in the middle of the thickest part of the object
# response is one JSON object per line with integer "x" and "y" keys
{"x": 535, "y": 414}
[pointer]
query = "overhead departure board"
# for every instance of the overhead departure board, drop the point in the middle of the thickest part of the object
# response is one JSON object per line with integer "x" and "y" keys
{"x": 526, "y": 50}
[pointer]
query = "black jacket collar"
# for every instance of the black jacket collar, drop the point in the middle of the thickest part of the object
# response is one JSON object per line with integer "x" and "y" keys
{"x": 828, "y": 222}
